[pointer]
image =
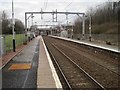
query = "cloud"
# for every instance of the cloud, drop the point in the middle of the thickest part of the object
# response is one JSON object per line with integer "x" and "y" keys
{"x": 22, "y": 6}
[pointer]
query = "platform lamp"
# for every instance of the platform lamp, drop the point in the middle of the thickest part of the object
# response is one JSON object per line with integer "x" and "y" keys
{"x": 32, "y": 18}
{"x": 13, "y": 23}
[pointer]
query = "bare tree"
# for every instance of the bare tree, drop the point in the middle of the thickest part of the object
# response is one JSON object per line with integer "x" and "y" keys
{"x": 5, "y": 23}
{"x": 102, "y": 15}
{"x": 77, "y": 26}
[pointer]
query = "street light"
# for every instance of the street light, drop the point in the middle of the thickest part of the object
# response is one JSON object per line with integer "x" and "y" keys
{"x": 32, "y": 19}
{"x": 13, "y": 23}
{"x": 27, "y": 19}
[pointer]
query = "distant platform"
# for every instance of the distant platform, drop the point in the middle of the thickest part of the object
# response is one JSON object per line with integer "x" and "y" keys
{"x": 93, "y": 44}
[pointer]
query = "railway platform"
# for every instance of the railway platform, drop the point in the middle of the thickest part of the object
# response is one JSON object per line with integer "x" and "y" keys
{"x": 93, "y": 44}
{"x": 30, "y": 67}
{"x": 82, "y": 65}
{"x": 47, "y": 76}
{"x": 33, "y": 67}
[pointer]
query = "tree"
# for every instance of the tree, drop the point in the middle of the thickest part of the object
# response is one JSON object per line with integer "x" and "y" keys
{"x": 77, "y": 26}
{"x": 5, "y": 23}
{"x": 104, "y": 14}
{"x": 19, "y": 27}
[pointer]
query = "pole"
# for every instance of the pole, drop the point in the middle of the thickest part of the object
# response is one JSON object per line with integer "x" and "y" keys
{"x": 41, "y": 14}
{"x": 83, "y": 30}
{"x": 53, "y": 23}
{"x": 25, "y": 28}
{"x": 13, "y": 22}
{"x": 56, "y": 15}
{"x": 67, "y": 23}
{"x": 32, "y": 20}
{"x": 67, "y": 17}
{"x": 72, "y": 31}
{"x": 90, "y": 24}
{"x": 53, "y": 16}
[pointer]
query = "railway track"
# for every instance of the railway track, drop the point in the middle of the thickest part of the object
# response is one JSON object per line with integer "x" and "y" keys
{"x": 70, "y": 69}
{"x": 110, "y": 62}
{"x": 75, "y": 74}
{"x": 104, "y": 65}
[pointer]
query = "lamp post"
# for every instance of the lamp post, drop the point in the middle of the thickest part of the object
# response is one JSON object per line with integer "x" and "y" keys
{"x": 32, "y": 19}
{"x": 90, "y": 27}
{"x": 29, "y": 21}
{"x": 26, "y": 31}
{"x": 13, "y": 23}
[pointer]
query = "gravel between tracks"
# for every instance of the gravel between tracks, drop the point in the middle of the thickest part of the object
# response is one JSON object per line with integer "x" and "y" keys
{"x": 102, "y": 68}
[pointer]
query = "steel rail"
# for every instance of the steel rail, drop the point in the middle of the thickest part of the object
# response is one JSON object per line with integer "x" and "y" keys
{"x": 61, "y": 71}
{"x": 95, "y": 81}
{"x": 93, "y": 61}
{"x": 68, "y": 84}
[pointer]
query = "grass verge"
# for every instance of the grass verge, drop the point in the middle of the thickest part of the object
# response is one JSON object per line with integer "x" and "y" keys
{"x": 19, "y": 38}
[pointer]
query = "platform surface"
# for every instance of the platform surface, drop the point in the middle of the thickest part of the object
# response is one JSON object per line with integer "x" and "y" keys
{"x": 47, "y": 76}
{"x": 94, "y": 44}
{"x": 21, "y": 71}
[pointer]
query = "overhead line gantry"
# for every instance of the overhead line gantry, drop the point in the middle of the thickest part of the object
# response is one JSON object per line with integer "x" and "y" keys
{"x": 55, "y": 18}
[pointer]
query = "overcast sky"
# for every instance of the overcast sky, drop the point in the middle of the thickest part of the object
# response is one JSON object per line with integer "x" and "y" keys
{"x": 22, "y": 6}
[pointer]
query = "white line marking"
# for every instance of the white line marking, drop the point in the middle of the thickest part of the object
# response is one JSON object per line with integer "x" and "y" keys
{"x": 55, "y": 76}
{"x": 26, "y": 79}
{"x": 93, "y": 45}
{"x": 28, "y": 72}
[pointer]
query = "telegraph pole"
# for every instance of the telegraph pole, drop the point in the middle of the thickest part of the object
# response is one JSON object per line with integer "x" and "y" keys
{"x": 13, "y": 22}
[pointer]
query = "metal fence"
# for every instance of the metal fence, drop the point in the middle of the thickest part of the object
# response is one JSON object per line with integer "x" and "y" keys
{"x": 103, "y": 38}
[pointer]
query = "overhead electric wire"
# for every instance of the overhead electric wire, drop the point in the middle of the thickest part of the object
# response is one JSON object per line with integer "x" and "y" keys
{"x": 46, "y": 5}
{"x": 67, "y": 6}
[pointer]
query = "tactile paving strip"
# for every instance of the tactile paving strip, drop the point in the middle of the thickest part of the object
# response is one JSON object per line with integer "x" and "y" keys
{"x": 21, "y": 66}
